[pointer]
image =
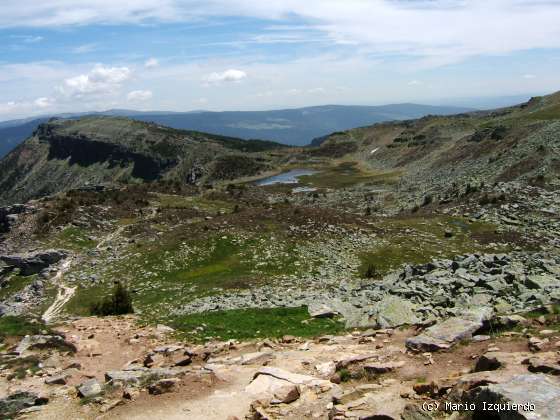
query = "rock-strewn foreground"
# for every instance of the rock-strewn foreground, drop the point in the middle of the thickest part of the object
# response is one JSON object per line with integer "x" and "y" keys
{"x": 123, "y": 371}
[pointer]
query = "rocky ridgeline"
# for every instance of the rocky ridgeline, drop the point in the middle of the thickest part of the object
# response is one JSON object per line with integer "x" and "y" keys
{"x": 418, "y": 294}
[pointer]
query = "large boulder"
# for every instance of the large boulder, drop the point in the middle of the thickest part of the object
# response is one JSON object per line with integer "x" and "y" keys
{"x": 320, "y": 310}
{"x": 529, "y": 396}
{"x": 542, "y": 281}
{"x": 393, "y": 311}
{"x": 34, "y": 262}
{"x": 445, "y": 334}
{"x": 278, "y": 390}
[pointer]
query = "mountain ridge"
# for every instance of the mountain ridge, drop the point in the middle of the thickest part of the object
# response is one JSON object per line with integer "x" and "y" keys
{"x": 64, "y": 154}
{"x": 297, "y": 126}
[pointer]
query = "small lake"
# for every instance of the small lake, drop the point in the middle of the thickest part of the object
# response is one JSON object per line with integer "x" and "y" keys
{"x": 290, "y": 177}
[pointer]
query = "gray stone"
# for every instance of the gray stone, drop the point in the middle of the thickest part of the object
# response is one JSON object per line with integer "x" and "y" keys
{"x": 394, "y": 311}
{"x": 542, "y": 281}
{"x": 56, "y": 380}
{"x": 444, "y": 335}
{"x": 89, "y": 389}
{"x": 33, "y": 263}
{"x": 138, "y": 376}
{"x": 540, "y": 390}
{"x": 383, "y": 367}
{"x": 320, "y": 311}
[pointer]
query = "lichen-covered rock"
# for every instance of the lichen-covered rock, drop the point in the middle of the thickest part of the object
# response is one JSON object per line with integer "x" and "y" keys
{"x": 394, "y": 311}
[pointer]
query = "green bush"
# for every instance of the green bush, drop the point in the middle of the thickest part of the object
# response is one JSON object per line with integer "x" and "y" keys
{"x": 119, "y": 303}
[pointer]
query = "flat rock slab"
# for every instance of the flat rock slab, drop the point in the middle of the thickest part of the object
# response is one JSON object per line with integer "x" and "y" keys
{"x": 493, "y": 360}
{"x": 542, "y": 391}
{"x": 393, "y": 311}
{"x": 278, "y": 390}
{"x": 139, "y": 375}
{"x": 244, "y": 359}
{"x": 320, "y": 310}
{"x": 444, "y": 335}
{"x": 295, "y": 378}
{"x": 542, "y": 281}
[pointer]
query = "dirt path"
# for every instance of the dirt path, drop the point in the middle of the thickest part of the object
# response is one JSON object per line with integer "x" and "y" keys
{"x": 64, "y": 294}
{"x": 226, "y": 400}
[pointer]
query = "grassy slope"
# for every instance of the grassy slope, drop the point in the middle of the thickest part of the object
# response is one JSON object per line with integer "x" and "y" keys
{"x": 255, "y": 323}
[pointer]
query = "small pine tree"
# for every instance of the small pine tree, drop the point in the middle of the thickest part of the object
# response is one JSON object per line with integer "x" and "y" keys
{"x": 119, "y": 303}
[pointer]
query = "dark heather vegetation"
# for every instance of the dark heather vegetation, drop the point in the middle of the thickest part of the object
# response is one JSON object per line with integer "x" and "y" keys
{"x": 119, "y": 303}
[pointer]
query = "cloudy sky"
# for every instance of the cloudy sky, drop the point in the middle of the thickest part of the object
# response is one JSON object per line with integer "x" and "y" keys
{"x": 75, "y": 55}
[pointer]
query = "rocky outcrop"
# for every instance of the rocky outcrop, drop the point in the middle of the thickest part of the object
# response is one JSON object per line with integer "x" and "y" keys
{"x": 31, "y": 342}
{"x": 34, "y": 262}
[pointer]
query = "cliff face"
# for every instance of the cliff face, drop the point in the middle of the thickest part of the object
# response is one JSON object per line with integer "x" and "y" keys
{"x": 64, "y": 154}
{"x": 86, "y": 152}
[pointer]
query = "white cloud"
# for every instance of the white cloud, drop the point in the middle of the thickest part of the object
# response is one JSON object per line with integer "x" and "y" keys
{"x": 101, "y": 80}
{"x": 529, "y": 76}
{"x": 83, "y": 49}
{"x": 436, "y": 32}
{"x": 318, "y": 90}
{"x": 414, "y": 83}
{"x": 151, "y": 63}
{"x": 43, "y": 102}
{"x": 17, "y": 108}
{"x": 28, "y": 39}
{"x": 139, "y": 95}
{"x": 231, "y": 75}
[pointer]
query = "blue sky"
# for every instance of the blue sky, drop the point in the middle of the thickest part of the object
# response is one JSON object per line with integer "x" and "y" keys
{"x": 73, "y": 55}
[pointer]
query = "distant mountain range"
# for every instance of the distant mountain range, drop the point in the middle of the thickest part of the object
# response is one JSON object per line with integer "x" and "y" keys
{"x": 289, "y": 126}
